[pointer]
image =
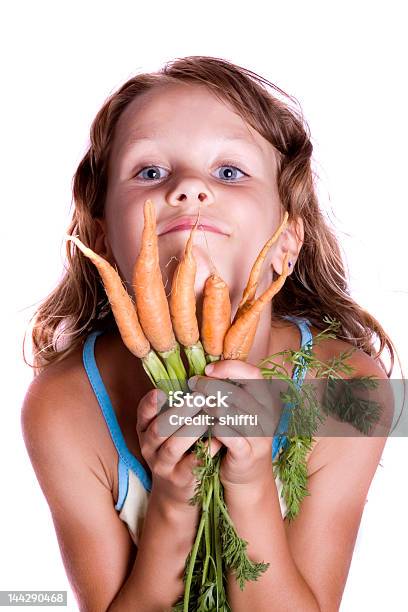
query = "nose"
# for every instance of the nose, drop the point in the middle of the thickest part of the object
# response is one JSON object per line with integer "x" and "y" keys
{"x": 190, "y": 191}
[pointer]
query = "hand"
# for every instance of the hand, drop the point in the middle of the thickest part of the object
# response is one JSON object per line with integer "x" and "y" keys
{"x": 248, "y": 460}
{"x": 166, "y": 454}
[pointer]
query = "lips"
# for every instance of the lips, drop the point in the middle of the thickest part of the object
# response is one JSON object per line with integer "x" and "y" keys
{"x": 186, "y": 222}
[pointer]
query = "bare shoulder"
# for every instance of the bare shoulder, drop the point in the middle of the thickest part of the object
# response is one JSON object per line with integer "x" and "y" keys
{"x": 57, "y": 377}
{"x": 58, "y": 389}
{"x": 59, "y": 410}
{"x": 362, "y": 365}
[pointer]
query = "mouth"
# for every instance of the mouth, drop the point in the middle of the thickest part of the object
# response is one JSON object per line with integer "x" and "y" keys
{"x": 186, "y": 223}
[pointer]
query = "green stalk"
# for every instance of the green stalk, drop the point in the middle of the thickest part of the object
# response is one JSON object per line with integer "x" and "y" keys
{"x": 212, "y": 358}
{"x": 207, "y": 532}
{"x": 195, "y": 547}
{"x": 213, "y": 542}
{"x": 223, "y": 510}
{"x": 196, "y": 358}
{"x": 175, "y": 368}
{"x": 156, "y": 371}
{"x": 217, "y": 535}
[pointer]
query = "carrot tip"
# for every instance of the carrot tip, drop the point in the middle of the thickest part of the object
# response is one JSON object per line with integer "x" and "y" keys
{"x": 150, "y": 211}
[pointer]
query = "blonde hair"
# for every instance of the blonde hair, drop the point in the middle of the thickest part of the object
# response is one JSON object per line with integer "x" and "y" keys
{"x": 318, "y": 285}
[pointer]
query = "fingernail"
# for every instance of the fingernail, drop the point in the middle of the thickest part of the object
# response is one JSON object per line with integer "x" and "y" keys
{"x": 192, "y": 382}
{"x": 160, "y": 396}
{"x": 208, "y": 369}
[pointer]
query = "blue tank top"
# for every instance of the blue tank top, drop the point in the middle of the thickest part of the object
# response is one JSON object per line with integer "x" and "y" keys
{"x": 127, "y": 461}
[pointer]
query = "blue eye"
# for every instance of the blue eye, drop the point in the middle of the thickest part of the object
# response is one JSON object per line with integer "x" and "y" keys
{"x": 151, "y": 171}
{"x": 234, "y": 169}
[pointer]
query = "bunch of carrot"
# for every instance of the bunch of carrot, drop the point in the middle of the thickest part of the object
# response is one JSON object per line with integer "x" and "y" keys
{"x": 153, "y": 329}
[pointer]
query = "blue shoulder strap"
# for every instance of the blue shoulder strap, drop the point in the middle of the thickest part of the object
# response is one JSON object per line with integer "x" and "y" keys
{"x": 126, "y": 458}
{"x": 280, "y": 439}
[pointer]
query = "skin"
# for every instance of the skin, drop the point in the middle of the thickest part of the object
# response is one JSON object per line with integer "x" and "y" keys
{"x": 76, "y": 463}
{"x": 187, "y": 149}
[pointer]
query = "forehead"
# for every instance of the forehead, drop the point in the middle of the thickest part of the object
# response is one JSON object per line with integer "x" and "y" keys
{"x": 170, "y": 110}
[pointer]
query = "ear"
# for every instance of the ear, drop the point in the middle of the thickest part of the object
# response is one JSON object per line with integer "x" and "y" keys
{"x": 291, "y": 241}
{"x": 102, "y": 246}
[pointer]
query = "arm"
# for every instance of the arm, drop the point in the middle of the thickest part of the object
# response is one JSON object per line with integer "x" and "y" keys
{"x": 155, "y": 582}
{"x": 258, "y": 520}
{"x": 97, "y": 551}
{"x": 310, "y": 556}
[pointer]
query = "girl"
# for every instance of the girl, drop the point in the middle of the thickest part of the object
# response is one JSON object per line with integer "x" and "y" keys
{"x": 201, "y": 133}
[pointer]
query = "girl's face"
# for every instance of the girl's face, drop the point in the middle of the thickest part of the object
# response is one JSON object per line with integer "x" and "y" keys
{"x": 186, "y": 150}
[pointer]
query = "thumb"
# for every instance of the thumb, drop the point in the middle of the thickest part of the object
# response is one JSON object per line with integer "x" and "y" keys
{"x": 215, "y": 446}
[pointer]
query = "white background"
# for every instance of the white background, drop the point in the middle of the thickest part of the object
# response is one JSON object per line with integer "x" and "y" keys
{"x": 344, "y": 62}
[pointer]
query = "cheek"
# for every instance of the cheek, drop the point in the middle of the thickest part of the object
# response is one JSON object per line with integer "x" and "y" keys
{"x": 257, "y": 219}
{"x": 253, "y": 231}
{"x": 124, "y": 228}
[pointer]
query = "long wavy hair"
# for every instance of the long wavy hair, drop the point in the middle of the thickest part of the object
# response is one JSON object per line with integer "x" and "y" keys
{"x": 318, "y": 285}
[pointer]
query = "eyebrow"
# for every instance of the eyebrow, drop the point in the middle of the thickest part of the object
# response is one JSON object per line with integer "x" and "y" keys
{"x": 134, "y": 140}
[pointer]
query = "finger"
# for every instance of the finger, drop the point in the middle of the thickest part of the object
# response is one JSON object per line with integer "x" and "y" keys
{"x": 267, "y": 394}
{"x": 263, "y": 415}
{"x": 245, "y": 424}
{"x": 246, "y": 415}
{"x": 191, "y": 461}
{"x": 239, "y": 447}
{"x": 222, "y": 390}
{"x": 248, "y": 376}
{"x": 226, "y": 396}
{"x": 171, "y": 451}
{"x": 213, "y": 444}
{"x": 148, "y": 408}
{"x": 232, "y": 368}
{"x": 171, "y": 421}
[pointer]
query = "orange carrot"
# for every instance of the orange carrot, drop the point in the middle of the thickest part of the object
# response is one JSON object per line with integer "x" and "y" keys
{"x": 216, "y": 315}
{"x": 182, "y": 297}
{"x": 247, "y": 342}
{"x": 239, "y": 337}
{"x": 248, "y": 295}
{"x": 151, "y": 300}
{"x": 122, "y": 306}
